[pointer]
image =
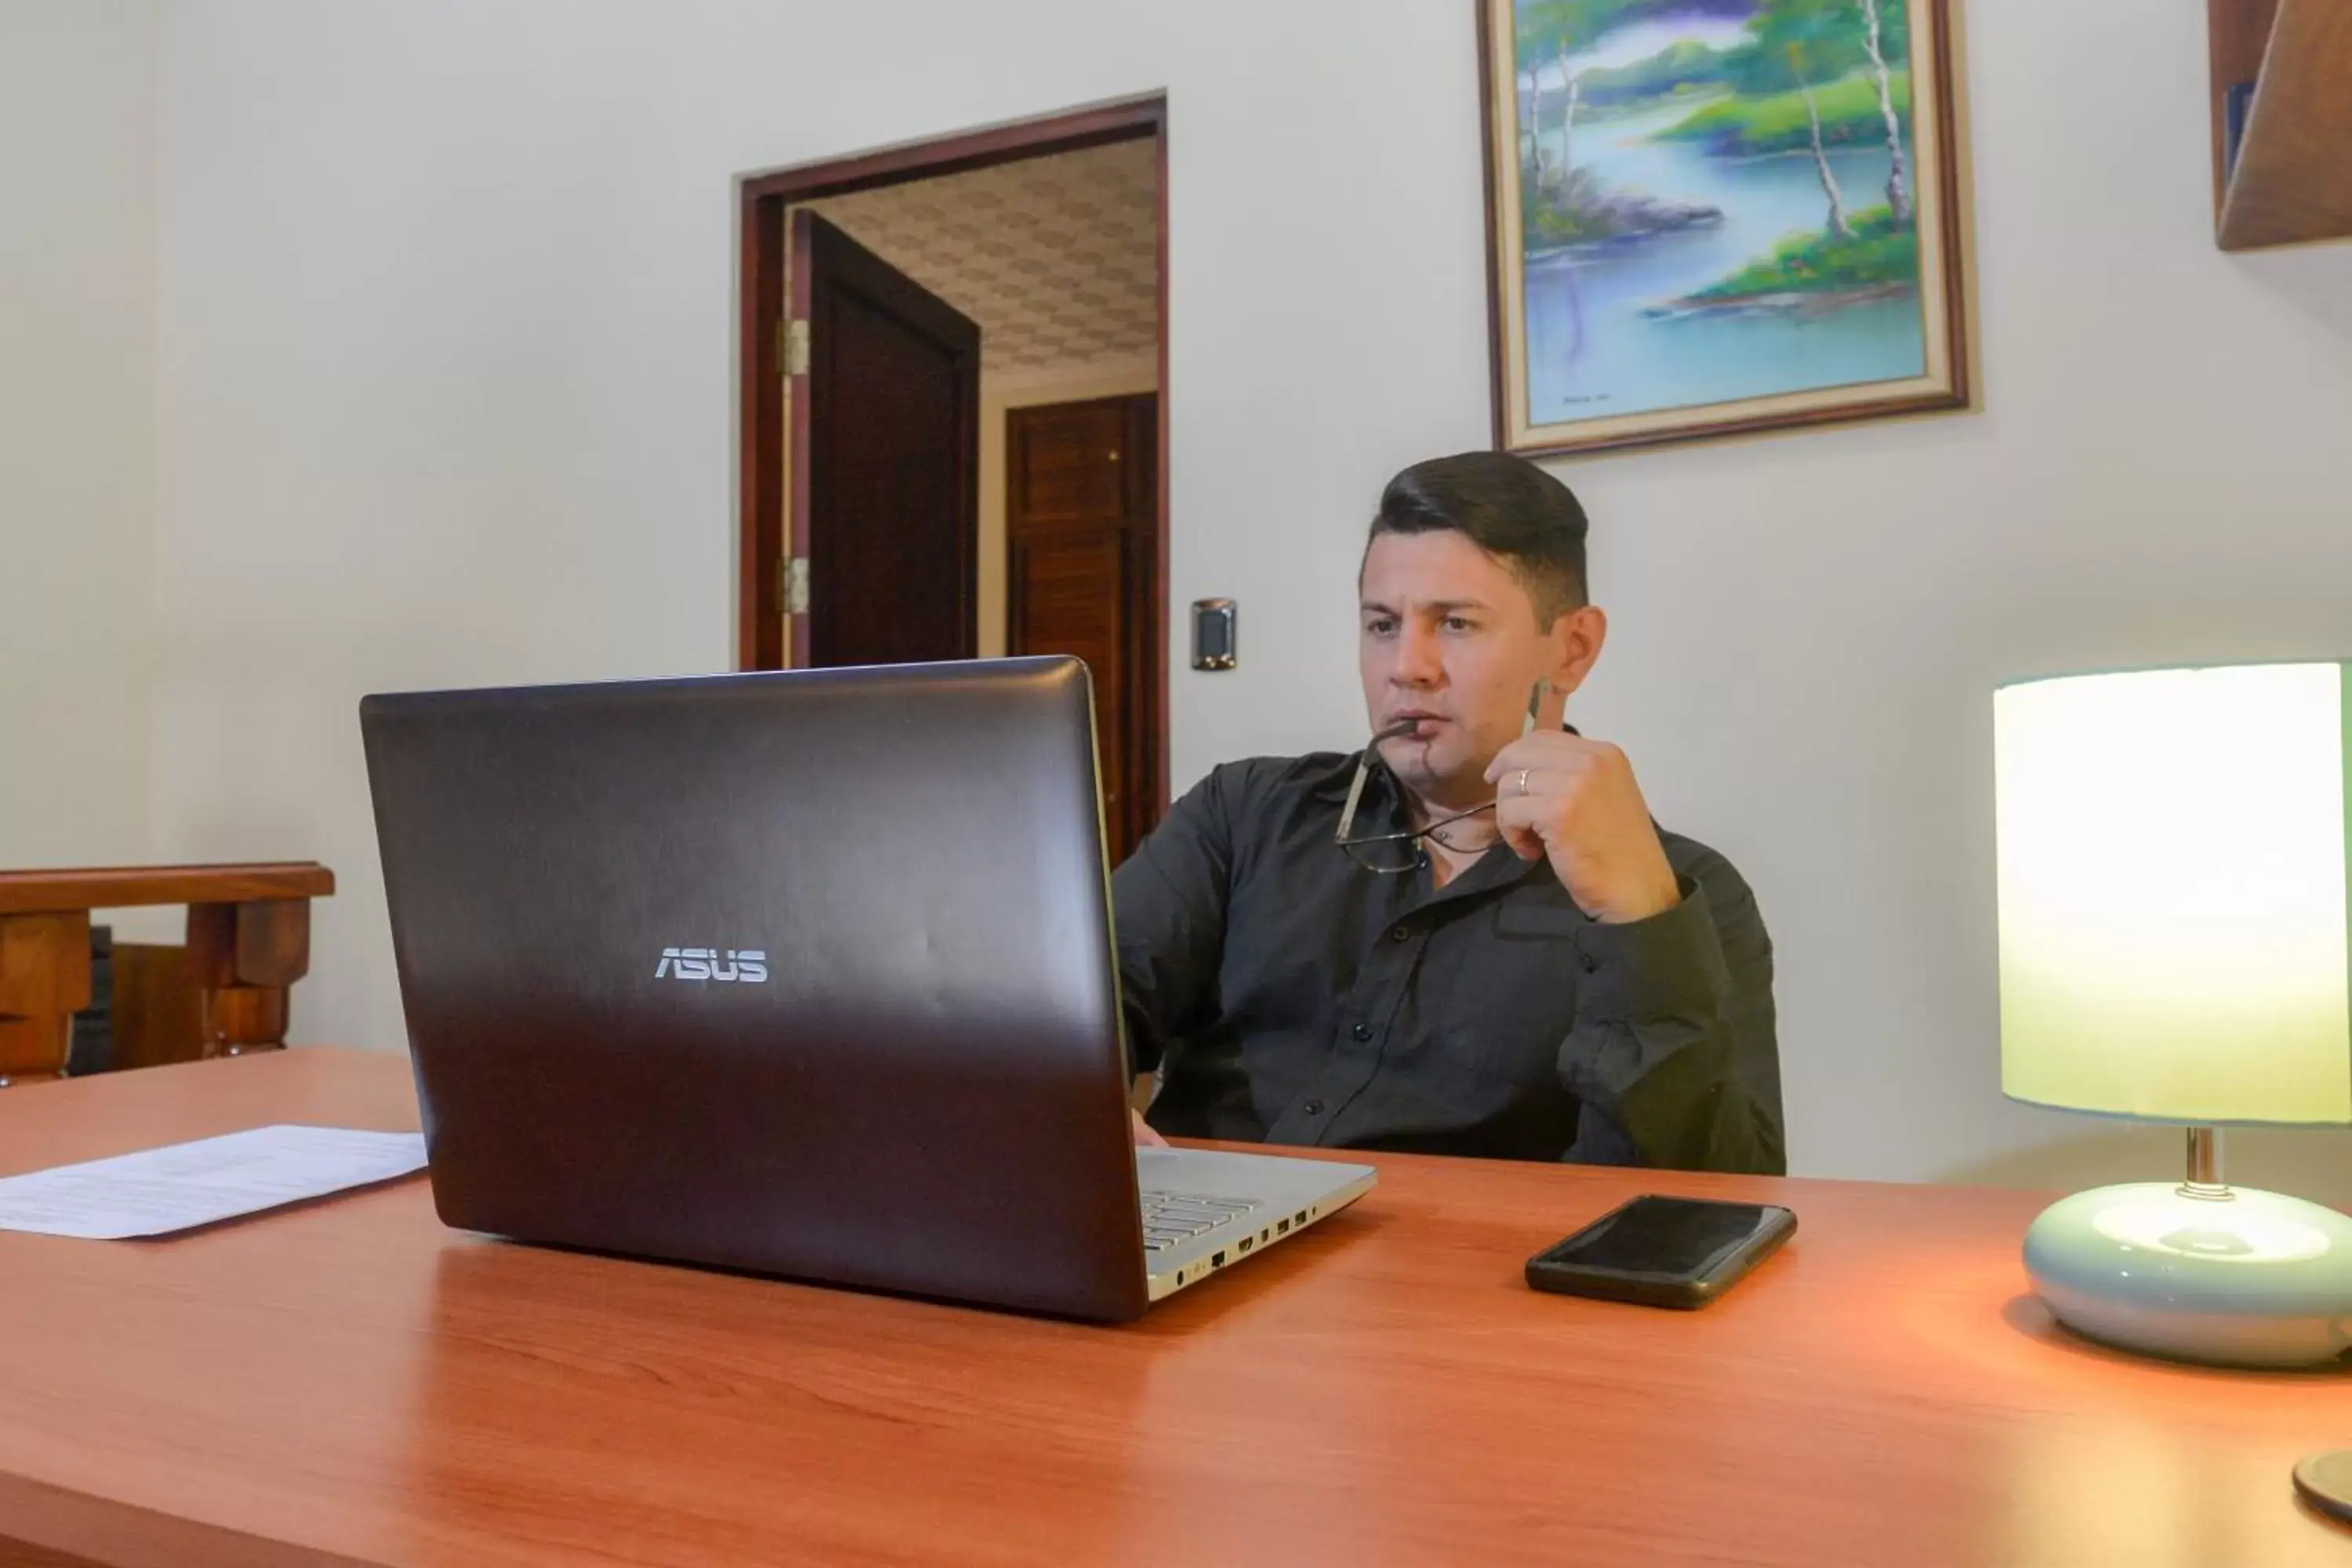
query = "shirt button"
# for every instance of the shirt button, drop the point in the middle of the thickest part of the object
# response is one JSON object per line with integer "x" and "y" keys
{"x": 1314, "y": 1108}
{"x": 1592, "y": 964}
{"x": 1362, "y": 1031}
{"x": 1402, "y": 933}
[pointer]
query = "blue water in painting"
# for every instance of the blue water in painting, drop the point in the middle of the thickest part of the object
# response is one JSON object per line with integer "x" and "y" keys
{"x": 1590, "y": 351}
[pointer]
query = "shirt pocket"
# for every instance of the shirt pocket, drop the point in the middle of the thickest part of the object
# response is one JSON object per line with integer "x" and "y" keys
{"x": 1496, "y": 996}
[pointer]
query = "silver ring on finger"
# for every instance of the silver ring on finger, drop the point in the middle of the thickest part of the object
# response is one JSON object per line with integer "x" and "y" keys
{"x": 1523, "y": 781}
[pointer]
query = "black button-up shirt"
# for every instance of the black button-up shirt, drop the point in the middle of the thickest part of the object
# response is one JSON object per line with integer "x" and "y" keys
{"x": 1288, "y": 995}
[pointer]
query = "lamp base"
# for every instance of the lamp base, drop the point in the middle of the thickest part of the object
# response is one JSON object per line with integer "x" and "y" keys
{"x": 2234, "y": 1277}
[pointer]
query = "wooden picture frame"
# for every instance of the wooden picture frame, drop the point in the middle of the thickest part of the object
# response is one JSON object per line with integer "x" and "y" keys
{"x": 1665, "y": 183}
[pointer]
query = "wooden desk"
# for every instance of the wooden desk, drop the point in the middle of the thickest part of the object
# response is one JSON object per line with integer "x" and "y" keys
{"x": 350, "y": 1383}
{"x": 248, "y": 942}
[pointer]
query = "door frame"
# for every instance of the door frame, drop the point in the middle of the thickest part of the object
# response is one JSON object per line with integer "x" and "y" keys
{"x": 762, "y": 314}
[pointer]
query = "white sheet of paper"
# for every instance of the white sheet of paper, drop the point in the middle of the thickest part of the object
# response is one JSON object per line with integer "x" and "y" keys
{"x": 158, "y": 1191}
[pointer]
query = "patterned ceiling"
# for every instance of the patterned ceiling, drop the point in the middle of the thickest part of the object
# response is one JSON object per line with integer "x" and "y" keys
{"x": 1057, "y": 258}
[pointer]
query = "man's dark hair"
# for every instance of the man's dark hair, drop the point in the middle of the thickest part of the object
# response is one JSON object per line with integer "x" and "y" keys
{"x": 1506, "y": 507}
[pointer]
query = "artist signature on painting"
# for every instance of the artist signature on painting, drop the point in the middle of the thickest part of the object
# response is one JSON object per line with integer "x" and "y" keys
{"x": 1586, "y": 397}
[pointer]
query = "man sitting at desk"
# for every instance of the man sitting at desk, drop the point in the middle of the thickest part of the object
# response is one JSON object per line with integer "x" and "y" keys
{"x": 1504, "y": 955}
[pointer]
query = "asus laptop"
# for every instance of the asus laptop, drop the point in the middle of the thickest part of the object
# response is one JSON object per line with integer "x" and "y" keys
{"x": 808, "y": 973}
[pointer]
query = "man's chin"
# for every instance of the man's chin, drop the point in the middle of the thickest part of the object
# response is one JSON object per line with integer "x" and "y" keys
{"x": 1420, "y": 765}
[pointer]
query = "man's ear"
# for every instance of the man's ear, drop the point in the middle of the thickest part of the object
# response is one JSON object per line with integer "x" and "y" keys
{"x": 1576, "y": 639}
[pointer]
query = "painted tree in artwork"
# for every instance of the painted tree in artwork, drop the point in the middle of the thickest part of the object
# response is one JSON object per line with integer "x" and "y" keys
{"x": 1888, "y": 42}
{"x": 1529, "y": 46}
{"x": 1803, "y": 45}
{"x": 1547, "y": 33}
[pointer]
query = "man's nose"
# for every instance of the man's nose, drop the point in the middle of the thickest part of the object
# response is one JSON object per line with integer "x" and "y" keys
{"x": 1417, "y": 662}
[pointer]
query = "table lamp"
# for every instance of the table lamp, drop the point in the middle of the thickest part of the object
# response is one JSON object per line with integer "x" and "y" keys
{"x": 2175, "y": 947}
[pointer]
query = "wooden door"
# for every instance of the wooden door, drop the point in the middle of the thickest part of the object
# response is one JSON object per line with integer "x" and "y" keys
{"x": 884, "y": 431}
{"x": 1082, "y": 536}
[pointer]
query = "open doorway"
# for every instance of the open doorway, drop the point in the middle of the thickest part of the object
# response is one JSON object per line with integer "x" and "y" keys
{"x": 955, "y": 407}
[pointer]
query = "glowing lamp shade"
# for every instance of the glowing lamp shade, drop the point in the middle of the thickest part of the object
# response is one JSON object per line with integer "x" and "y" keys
{"x": 2175, "y": 946}
{"x": 2174, "y": 942}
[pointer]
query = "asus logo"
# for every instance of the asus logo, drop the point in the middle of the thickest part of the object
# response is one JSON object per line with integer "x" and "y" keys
{"x": 703, "y": 963}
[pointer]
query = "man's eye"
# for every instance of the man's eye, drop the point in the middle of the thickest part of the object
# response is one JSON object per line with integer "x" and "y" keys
{"x": 1379, "y": 628}
{"x": 1456, "y": 624}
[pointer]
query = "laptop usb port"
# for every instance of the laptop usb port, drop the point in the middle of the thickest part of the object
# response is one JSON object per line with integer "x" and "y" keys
{"x": 1282, "y": 1227}
{"x": 1217, "y": 1260}
{"x": 1247, "y": 1242}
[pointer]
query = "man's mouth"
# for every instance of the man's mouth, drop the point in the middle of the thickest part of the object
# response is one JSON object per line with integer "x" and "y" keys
{"x": 1409, "y": 725}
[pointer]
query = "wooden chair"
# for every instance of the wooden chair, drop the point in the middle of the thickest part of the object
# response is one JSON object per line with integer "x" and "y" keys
{"x": 248, "y": 942}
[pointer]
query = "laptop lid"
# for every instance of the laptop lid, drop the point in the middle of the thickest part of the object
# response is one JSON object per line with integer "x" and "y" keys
{"x": 806, "y": 973}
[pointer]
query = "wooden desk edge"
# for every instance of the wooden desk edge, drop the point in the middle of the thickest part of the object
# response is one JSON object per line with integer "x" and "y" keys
{"x": 107, "y": 887}
{"x": 34, "y": 1516}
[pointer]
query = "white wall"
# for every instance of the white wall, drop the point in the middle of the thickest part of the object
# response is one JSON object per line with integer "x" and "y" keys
{"x": 1000, "y": 392}
{"x": 445, "y": 357}
{"x": 77, "y": 427}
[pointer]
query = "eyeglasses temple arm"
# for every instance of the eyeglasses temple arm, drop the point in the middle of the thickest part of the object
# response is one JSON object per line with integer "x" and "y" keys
{"x": 1355, "y": 795}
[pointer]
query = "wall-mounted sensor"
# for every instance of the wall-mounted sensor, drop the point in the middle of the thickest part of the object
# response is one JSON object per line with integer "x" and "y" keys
{"x": 1212, "y": 634}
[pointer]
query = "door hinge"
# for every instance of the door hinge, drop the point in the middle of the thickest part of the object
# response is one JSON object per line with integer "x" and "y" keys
{"x": 792, "y": 347}
{"x": 792, "y": 585}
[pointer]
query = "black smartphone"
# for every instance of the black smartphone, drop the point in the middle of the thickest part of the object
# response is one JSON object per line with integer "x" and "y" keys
{"x": 1663, "y": 1252}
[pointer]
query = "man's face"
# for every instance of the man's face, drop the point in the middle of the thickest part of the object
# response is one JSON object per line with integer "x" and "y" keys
{"x": 1449, "y": 637}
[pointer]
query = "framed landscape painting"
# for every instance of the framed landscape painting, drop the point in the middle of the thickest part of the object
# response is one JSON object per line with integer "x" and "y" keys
{"x": 1711, "y": 216}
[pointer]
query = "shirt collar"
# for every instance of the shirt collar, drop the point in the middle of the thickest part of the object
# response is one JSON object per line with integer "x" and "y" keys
{"x": 1331, "y": 784}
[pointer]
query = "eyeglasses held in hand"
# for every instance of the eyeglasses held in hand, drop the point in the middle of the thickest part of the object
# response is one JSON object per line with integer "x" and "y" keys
{"x": 1393, "y": 854}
